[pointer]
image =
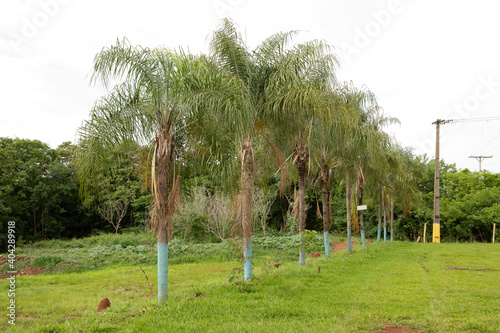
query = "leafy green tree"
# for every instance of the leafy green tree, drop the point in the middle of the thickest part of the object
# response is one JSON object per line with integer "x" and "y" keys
{"x": 37, "y": 190}
{"x": 118, "y": 184}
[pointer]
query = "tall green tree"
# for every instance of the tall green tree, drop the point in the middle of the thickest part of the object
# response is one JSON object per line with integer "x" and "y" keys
{"x": 145, "y": 106}
{"x": 37, "y": 190}
{"x": 328, "y": 140}
{"x": 359, "y": 144}
{"x": 251, "y": 91}
{"x": 230, "y": 94}
{"x": 306, "y": 90}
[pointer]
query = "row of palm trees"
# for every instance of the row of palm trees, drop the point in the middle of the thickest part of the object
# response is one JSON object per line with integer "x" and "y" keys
{"x": 217, "y": 105}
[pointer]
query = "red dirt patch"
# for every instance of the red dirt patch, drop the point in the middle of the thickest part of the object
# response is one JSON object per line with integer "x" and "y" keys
{"x": 391, "y": 329}
{"x": 343, "y": 246}
{"x": 26, "y": 271}
{"x": 25, "y": 317}
{"x": 4, "y": 259}
{"x": 315, "y": 255}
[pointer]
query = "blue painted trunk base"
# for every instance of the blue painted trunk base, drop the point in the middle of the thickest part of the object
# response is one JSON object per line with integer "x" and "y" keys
{"x": 363, "y": 238}
{"x": 302, "y": 252}
{"x": 162, "y": 272}
{"x": 247, "y": 262}
{"x": 385, "y": 235}
{"x": 327, "y": 244}
{"x": 378, "y": 235}
{"x": 349, "y": 241}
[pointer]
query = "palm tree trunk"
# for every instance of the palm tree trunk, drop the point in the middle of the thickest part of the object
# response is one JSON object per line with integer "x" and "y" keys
{"x": 165, "y": 158}
{"x": 379, "y": 217}
{"x": 348, "y": 204}
{"x": 385, "y": 220}
{"x": 302, "y": 155}
{"x": 326, "y": 216}
{"x": 360, "y": 213}
{"x": 302, "y": 213}
{"x": 247, "y": 173}
{"x": 392, "y": 220}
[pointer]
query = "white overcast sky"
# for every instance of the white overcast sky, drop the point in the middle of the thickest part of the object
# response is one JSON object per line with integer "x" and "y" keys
{"x": 425, "y": 60}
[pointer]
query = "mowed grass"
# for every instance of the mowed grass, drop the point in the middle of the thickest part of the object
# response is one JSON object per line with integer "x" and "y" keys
{"x": 402, "y": 284}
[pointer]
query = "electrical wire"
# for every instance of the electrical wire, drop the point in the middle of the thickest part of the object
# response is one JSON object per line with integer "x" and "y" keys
{"x": 489, "y": 143}
{"x": 475, "y": 119}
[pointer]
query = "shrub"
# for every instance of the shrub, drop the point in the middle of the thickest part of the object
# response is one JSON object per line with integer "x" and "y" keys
{"x": 48, "y": 262}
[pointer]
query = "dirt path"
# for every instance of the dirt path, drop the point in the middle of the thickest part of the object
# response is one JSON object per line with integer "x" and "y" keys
{"x": 25, "y": 271}
{"x": 391, "y": 329}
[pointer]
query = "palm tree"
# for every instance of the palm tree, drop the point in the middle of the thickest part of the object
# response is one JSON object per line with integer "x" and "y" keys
{"x": 324, "y": 144}
{"x": 271, "y": 86}
{"x": 145, "y": 106}
{"x": 400, "y": 181}
{"x": 245, "y": 91}
{"x": 359, "y": 146}
{"x": 328, "y": 146}
{"x": 306, "y": 95}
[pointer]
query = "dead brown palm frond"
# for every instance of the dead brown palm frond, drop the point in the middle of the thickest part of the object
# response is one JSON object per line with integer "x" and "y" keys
{"x": 164, "y": 208}
{"x": 237, "y": 228}
{"x": 173, "y": 202}
{"x": 154, "y": 221}
{"x": 282, "y": 166}
{"x": 354, "y": 219}
{"x": 329, "y": 210}
{"x": 360, "y": 173}
{"x": 295, "y": 209}
{"x": 318, "y": 211}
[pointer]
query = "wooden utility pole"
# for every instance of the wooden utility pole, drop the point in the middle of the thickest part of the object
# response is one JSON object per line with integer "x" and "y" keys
{"x": 494, "y": 227}
{"x": 480, "y": 159}
{"x": 436, "y": 237}
{"x": 436, "y": 229}
{"x": 425, "y": 232}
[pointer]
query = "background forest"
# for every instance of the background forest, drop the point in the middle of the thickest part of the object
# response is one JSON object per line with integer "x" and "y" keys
{"x": 40, "y": 190}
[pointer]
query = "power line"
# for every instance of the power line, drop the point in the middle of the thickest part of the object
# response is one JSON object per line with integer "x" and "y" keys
{"x": 474, "y": 119}
{"x": 489, "y": 143}
{"x": 492, "y": 149}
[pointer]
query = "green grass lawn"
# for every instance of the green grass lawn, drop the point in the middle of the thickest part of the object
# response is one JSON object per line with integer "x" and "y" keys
{"x": 403, "y": 284}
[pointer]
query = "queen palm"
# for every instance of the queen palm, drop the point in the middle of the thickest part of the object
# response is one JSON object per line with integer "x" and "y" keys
{"x": 306, "y": 96}
{"x": 327, "y": 148}
{"x": 323, "y": 152}
{"x": 144, "y": 106}
{"x": 387, "y": 180}
{"x": 247, "y": 91}
{"x": 359, "y": 144}
{"x": 368, "y": 165}
{"x": 376, "y": 143}
{"x": 234, "y": 89}
{"x": 399, "y": 183}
